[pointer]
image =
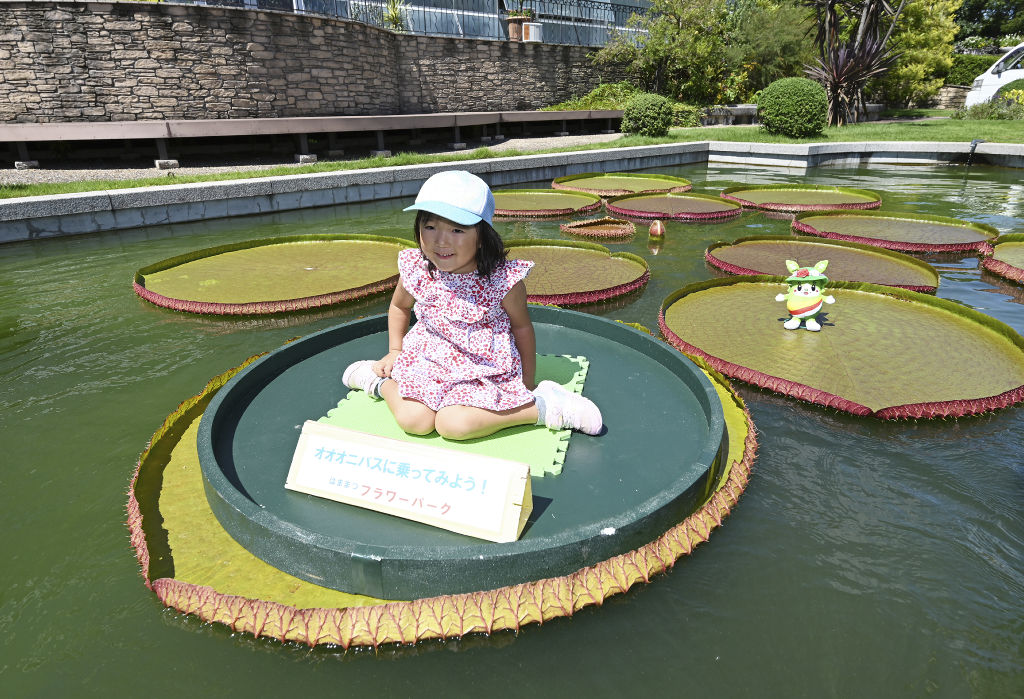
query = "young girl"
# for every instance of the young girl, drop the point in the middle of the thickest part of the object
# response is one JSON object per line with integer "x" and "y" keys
{"x": 466, "y": 368}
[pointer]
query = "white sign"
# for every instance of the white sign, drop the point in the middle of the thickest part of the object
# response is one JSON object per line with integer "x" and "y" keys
{"x": 480, "y": 496}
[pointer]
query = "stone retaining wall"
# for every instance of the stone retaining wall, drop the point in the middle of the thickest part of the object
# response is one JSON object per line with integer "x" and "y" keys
{"x": 97, "y": 61}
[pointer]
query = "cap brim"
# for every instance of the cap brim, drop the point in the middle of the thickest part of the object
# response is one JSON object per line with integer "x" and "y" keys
{"x": 452, "y": 213}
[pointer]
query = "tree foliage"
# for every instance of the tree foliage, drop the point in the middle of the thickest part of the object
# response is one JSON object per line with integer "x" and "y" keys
{"x": 677, "y": 49}
{"x": 923, "y": 38}
{"x": 991, "y": 18}
{"x": 770, "y": 40}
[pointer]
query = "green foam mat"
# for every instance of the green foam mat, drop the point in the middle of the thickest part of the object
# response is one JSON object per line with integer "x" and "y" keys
{"x": 542, "y": 448}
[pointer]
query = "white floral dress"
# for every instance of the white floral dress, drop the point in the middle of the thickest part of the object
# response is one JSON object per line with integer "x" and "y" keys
{"x": 460, "y": 351}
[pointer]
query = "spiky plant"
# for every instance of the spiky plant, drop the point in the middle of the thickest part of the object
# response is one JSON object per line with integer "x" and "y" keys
{"x": 852, "y": 38}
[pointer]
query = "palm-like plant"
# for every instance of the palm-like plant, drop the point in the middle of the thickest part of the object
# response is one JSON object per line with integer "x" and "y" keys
{"x": 850, "y": 55}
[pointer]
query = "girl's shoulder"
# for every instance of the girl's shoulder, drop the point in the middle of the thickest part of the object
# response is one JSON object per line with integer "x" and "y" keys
{"x": 411, "y": 263}
{"x": 509, "y": 273}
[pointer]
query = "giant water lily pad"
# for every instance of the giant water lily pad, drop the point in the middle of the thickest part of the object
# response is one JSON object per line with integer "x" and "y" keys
{"x": 195, "y": 567}
{"x": 273, "y": 275}
{"x": 1007, "y": 258}
{"x": 847, "y": 262}
{"x": 897, "y": 231}
{"x": 615, "y": 183}
{"x": 876, "y": 354}
{"x": 539, "y": 203}
{"x": 574, "y": 272}
{"x": 680, "y": 207}
{"x": 802, "y": 197}
{"x": 606, "y": 227}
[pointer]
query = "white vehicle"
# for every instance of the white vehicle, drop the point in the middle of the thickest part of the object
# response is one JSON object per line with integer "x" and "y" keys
{"x": 1007, "y": 69}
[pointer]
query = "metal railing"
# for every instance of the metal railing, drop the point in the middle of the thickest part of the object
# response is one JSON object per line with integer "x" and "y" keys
{"x": 574, "y": 22}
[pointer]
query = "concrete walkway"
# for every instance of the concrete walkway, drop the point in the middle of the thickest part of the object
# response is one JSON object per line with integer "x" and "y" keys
{"x": 31, "y": 218}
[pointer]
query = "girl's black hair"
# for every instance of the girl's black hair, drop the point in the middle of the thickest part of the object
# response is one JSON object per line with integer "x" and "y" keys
{"x": 490, "y": 253}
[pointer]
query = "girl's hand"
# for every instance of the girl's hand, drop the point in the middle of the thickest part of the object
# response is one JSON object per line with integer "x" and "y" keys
{"x": 382, "y": 367}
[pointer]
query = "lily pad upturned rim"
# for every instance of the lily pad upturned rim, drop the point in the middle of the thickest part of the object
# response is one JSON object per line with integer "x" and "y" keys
{"x": 735, "y": 269}
{"x": 564, "y": 183}
{"x": 263, "y": 307}
{"x": 875, "y": 199}
{"x": 623, "y": 228}
{"x": 613, "y": 204}
{"x": 595, "y": 204}
{"x": 581, "y": 297}
{"x": 982, "y": 246}
{"x": 449, "y": 616}
{"x": 999, "y": 267}
{"x": 810, "y": 394}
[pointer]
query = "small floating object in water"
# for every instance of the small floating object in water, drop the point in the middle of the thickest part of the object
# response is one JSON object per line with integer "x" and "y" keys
{"x": 657, "y": 229}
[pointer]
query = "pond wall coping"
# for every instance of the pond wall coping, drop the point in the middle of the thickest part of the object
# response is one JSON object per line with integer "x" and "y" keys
{"x": 29, "y": 218}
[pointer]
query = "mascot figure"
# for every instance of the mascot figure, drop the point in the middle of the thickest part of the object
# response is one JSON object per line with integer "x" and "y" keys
{"x": 804, "y": 299}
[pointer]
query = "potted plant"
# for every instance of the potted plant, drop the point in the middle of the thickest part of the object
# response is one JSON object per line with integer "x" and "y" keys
{"x": 515, "y": 18}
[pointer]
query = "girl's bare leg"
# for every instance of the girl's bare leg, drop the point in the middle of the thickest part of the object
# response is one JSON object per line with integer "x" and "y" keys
{"x": 458, "y": 422}
{"x": 411, "y": 415}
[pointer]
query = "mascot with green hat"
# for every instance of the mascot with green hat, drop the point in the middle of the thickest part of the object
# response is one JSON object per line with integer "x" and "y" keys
{"x": 804, "y": 299}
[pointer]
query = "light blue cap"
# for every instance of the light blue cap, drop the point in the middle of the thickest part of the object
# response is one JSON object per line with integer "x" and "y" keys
{"x": 457, "y": 195}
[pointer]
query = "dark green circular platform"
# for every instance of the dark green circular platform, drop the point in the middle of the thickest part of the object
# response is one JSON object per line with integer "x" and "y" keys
{"x": 654, "y": 465}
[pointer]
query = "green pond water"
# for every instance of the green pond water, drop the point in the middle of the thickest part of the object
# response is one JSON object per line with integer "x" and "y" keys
{"x": 865, "y": 559}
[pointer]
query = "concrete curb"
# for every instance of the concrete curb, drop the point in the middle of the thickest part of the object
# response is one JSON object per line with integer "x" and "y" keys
{"x": 30, "y": 218}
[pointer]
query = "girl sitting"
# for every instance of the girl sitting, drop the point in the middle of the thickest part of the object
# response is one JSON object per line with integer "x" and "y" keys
{"x": 466, "y": 368}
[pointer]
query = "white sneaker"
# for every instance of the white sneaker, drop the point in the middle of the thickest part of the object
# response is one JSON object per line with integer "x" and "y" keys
{"x": 360, "y": 376}
{"x": 563, "y": 408}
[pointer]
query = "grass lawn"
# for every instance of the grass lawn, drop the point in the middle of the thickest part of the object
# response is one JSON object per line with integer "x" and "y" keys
{"x": 946, "y": 130}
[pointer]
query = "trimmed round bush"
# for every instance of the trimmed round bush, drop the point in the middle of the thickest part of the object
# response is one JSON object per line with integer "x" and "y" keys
{"x": 647, "y": 115}
{"x": 794, "y": 107}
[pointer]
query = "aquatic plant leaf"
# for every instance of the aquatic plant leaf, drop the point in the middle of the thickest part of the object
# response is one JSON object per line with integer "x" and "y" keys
{"x": 575, "y": 272}
{"x": 905, "y": 232}
{"x": 848, "y": 262}
{"x": 863, "y": 361}
{"x": 606, "y": 227}
{"x": 801, "y": 197}
{"x": 679, "y": 207}
{"x": 616, "y": 183}
{"x": 539, "y": 203}
{"x": 1007, "y": 258}
{"x": 350, "y": 620}
{"x": 273, "y": 275}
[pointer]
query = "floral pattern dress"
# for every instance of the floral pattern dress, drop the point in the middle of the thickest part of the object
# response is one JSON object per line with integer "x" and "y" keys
{"x": 460, "y": 351}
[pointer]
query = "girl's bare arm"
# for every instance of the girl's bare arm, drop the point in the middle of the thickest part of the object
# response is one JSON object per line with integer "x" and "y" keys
{"x": 399, "y": 316}
{"x": 514, "y": 304}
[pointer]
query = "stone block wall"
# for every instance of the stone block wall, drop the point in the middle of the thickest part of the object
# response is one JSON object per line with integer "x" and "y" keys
{"x": 98, "y": 61}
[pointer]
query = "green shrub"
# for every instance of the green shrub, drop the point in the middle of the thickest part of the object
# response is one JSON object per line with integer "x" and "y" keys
{"x": 967, "y": 67}
{"x": 686, "y": 114}
{"x": 1009, "y": 87}
{"x": 794, "y": 107}
{"x": 1001, "y": 109}
{"x": 647, "y": 115}
{"x": 604, "y": 96}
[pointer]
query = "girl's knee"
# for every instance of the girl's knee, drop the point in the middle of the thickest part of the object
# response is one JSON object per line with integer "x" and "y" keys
{"x": 416, "y": 422}
{"x": 455, "y": 424}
